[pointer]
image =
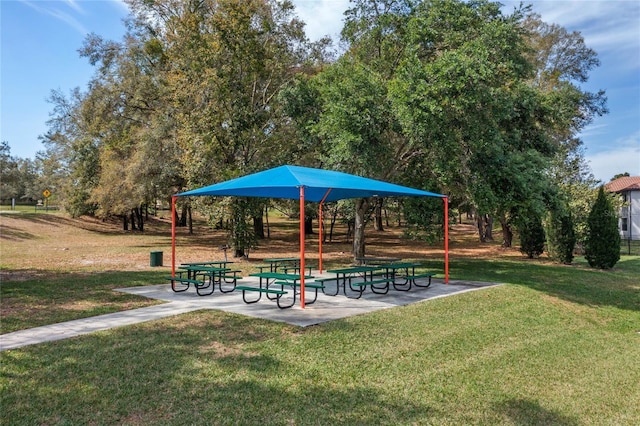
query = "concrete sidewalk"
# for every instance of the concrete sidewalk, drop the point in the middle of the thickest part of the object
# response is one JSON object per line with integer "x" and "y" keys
{"x": 326, "y": 308}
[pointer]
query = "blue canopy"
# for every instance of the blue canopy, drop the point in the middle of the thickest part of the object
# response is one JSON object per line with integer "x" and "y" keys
{"x": 305, "y": 184}
{"x": 285, "y": 182}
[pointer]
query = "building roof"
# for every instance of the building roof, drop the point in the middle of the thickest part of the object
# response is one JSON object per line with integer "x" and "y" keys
{"x": 625, "y": 183}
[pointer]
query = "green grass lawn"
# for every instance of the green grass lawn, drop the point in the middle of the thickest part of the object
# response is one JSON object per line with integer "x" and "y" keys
{"x": 56, "y": 297}
{"x": 555, "y": 345}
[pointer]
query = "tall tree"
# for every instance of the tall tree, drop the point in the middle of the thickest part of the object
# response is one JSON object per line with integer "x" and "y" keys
{"x": 461, "y": 95}
{"x": 602, "y": 247}
{"x": 229, "y": 62}
{"x": 9, "y": 173}
{"x": 563, "y": 62}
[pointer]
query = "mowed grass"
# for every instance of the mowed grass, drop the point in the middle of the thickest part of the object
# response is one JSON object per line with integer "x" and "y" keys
{"x": 555, "y": 345}
{"x": 58, "y": 297}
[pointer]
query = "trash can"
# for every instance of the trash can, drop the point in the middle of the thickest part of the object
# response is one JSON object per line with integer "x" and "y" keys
{"x": 156, "y": 258}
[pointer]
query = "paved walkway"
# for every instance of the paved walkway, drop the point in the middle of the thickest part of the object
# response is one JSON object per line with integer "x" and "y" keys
{"x": 327, "y": 308}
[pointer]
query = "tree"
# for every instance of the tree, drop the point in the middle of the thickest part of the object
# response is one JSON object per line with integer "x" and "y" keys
{"x": 9, "y": 173}
{"x": 602, "y": 246}
{"x": 562, "y": 62}
{"x": 229, "y": 61}
{"x": 462, "y": 95}
{"x": 561, "y": 237}
{"x": 532, "y": 236}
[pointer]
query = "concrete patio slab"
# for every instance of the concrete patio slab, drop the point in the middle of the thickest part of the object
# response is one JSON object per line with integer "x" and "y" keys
{"x": 326, "y": 308}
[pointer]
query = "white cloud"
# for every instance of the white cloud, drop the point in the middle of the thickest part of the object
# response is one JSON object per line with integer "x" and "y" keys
{"x": 322, "y": 17}
{"x": 608, "y": 27}
{"x": 120, "y": 4}
{"x": 47, "y": 9}
{"x": 623, "y": 157}
{"x": 74, "y": 5}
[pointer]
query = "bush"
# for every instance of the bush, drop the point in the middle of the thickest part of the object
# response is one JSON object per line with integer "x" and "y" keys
{"x": 531, "y": 236}
{"x": 561, "y": 237}
{"x": 602, "y": 246}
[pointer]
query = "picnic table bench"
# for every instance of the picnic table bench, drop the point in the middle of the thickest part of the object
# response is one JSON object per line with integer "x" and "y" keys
{"x": 282, "y": 262}
{"x": 344, "y": 275}
{"x": 376, "y": 261}
{"x": 409, "y": 276}
{"x": 279, "y": 278}
{"x": 188, "y": 275}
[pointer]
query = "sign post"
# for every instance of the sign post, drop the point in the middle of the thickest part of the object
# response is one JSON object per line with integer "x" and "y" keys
{"x": 46, "y": 194}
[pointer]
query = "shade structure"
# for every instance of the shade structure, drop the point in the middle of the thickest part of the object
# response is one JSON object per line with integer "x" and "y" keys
{"x": 307, "y": 184}
{"x": 285, "y": 181}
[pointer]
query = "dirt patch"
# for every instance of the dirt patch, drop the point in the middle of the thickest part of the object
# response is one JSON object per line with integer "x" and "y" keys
{"x": 33, "y": 243}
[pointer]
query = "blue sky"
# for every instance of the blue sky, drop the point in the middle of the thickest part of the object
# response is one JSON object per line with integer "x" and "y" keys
{"x": 40, "y": 41}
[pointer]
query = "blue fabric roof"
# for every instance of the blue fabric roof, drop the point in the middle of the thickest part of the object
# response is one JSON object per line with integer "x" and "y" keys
{"x": 285, "y": 182}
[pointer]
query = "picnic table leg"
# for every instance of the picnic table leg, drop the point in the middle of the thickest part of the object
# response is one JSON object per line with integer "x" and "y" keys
{"x": 398, "y": 286}
{"x": 244, "y": 298}
{"x": 293, "y": 300}
{"x": 234, "y": 281}
{"x": 358, "y": 290}
{"x": 324, "y": 291}
{"x": 204, "y": 287}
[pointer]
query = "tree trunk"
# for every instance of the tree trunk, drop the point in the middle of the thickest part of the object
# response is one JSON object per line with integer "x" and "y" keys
{"x": 362, "y": 207}
{"x": 258, "y": 226}
{"x": 308, "y": 225}
{"x": 481, "y": 228}
{"x": 507, "y": 232}
{"x": 190, "y": 221}
{"x": 133, "y": 221}
{"x": 125, "y": 222}
{"x": 377, "y": 223}
{"x": 334, "y": 217}
{"x": 183, "y": 216}
{"x": 266, "y": 215}
{"x": 485, "y": 226}
{"x": 489, "y": 224}
{"x": 140, "y": 218}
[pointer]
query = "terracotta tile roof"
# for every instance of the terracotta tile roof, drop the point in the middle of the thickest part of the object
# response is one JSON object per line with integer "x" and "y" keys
{"x": 624, "y": 184}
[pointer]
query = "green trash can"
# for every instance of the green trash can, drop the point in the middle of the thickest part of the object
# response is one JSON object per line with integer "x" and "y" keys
{"x": 156, "y": 258}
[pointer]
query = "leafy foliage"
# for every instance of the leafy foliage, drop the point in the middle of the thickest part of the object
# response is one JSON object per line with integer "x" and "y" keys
{"x": 561, "y": 237}
{"x": 602, "y": 246}
{"x": 532, "y": 237}
{"x": 449, "y": 95}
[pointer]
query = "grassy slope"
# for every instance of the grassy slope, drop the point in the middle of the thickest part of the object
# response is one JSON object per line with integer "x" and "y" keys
{"x": 556, "y": 345}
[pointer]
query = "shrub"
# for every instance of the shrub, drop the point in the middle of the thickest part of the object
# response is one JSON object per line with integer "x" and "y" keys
{"x": 531, "y": 236}
{"x": 602, "y": 246}
{"x": 561, "y": 237}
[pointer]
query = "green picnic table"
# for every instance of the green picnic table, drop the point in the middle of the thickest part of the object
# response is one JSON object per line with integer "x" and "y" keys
{"x": 211, "y": 275}
{"x": 344, "y": 275}
{"x": 281, "y": 279}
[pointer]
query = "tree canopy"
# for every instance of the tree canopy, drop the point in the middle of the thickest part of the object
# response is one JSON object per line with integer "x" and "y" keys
{"x": 453, "y": 96}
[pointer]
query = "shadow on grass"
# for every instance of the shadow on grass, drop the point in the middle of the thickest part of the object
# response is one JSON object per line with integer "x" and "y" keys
{"x": 197, "y": 369}
{"x": 525, "y": 412}
{"x": 14, "y": 234}
{"x": 617, "y": 288}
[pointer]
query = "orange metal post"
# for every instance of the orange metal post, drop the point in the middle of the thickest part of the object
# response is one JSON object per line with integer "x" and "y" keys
{"x": 446, "y": 239}
{"x": 320, "y": 237}
{"x": 173, "y": 235}
{"x": 302, "y": 247}
{"x": 320, "y": 230}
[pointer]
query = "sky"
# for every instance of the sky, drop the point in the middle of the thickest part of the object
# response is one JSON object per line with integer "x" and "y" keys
{"x": 39, "y": 42}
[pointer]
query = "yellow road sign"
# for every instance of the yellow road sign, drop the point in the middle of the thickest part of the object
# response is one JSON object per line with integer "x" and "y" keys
{"x": 46, "y": 193}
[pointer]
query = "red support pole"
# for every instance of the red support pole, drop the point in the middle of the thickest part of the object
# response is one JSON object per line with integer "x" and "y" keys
{"x": 302, "y": 247}
{"x": 446, "y": 240}
{"x": 320, "y": 230}
{"x": 173, "y": 235}
{"x": 320, "y": 237}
